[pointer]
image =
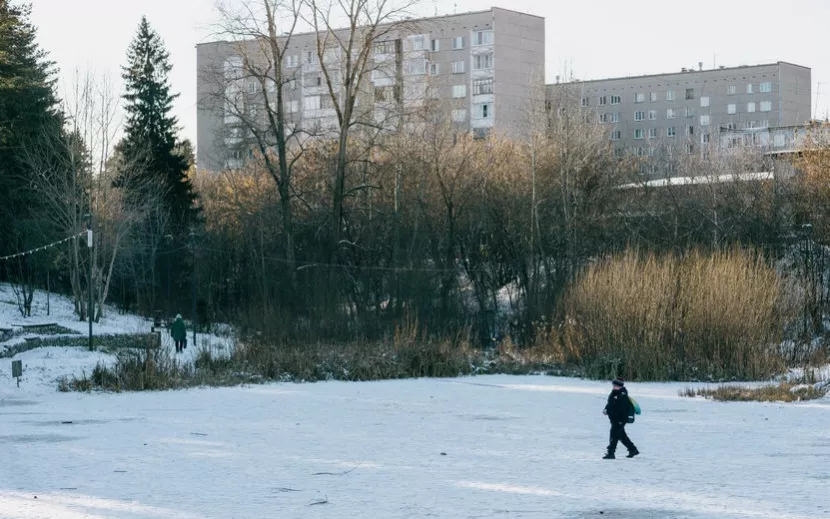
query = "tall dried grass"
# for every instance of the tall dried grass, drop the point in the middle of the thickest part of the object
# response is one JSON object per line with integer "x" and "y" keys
{"x": 700, "y": 316}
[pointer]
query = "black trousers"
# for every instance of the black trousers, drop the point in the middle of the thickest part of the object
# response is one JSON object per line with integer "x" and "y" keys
{"x": 618, "y": 435}
{"x": 179, "y": 345}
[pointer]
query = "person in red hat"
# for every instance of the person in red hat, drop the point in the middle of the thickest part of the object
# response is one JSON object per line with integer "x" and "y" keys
{"x": 618, "y": 409}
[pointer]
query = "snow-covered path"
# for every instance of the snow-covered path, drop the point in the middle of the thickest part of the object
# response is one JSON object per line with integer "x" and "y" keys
{"x": 515, "y": 447}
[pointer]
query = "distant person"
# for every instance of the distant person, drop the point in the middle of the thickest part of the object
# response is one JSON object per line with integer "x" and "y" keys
{"x": 179, "y": 333}
{"x": 618, "y": 409}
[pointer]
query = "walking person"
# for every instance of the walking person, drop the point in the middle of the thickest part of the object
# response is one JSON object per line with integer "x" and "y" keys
{"x": 618, "y": 409}
{"x": 179, "y": 333}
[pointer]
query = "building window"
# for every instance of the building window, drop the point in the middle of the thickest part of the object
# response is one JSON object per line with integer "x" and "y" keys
{"x": 483, "y": 61}
{"x": 603, "y": 100}
{"x": 312, "y": 80}
{"x": 639, "y": 116}
{"x": 652, "y": 115}
{"x": 292, "y": 61}
{"x": 690, "y": 112}
{"x": 670, "y": 113}
{"x": 731, "y": 90}
{"x": 252, "y": 87}
{"x": 585, "y": 101}
{"x": 457, "y": 42}
{"x": 704, "y": 120}
{"x": 690, "y": 130}
{"x": 292, "y": 84}
{"x": 459, "y": 116}
{"x": 459, "y": 91}
{"x": 731, "y": 109}
{"x": 619, "y": 153}
{"x": 750, "y": 88}
{"x": 385, "y": 47}
{"x": 416, "y": 67}
{"x": 689, "y": 148}
{"x": 483, "y": 38}
{"x": 435, "y": 45}
{"x": 750, "y": 107}
{"x": 750, "y": 125}
{"x": 311, "y": 103}
{"x": 310, "y": 57}
{"x": 704, "y": 101}
{"x": 640, "y": 151}
{"x": 670, "y": 95}
{"x": 704, "y": 139}
{"x": 383, "y": 93}
{"x": 652, "y": 133}
{"x": 603, "y": 118}
{"x": 639, "y": 134}
{"x": 458, "y": 67}
{"x": 766, "y": 87}
{"x": 671, "y": 131}
{"x": 416, "y": 42}
{"x": 616, "y": 135}
{"x": 690, "y": 93}
{"x": 483, "y": 111}
{"x": 652, "y": 96}
{"x": 615, "y": 100}
{"x": 434, "y": 69}
{"x": 615, "y": 118}
{"x": 640, "y": 97}
{"x": 293, "y": 106}
{"x": 766, "y": 106}
{"x": 779, "y": 140}
{"x": 764, "y": 124}
{"x": 483, "y": 86}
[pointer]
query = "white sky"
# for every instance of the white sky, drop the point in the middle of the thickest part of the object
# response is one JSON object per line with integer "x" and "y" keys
{"x": 591, "y": 38}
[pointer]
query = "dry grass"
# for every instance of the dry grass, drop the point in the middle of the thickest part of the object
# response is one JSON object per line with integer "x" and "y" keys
{"x": 783, "y": 392}
{"x": 696, "y": 317}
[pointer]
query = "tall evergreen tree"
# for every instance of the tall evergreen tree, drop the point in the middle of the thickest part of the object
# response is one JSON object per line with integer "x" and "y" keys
{"x": 28, "y": 112}
{"x": 150, "y": 130}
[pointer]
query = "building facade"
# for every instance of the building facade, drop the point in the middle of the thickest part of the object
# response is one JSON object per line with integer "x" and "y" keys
{"x": 685, "y": 111}
{"x": 481, "y": 67}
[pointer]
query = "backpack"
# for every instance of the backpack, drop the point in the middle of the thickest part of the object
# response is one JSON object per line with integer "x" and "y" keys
{"x": 633, "y": 409}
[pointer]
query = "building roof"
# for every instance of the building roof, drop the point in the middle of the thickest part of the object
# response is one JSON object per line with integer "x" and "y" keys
{"x": 644, "y": 76}
{"x": 407, "y": 20}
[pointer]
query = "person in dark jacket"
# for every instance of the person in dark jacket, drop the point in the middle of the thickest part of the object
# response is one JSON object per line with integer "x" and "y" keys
{"x": 179, "y": 332}
{"x": 618, "y": 409}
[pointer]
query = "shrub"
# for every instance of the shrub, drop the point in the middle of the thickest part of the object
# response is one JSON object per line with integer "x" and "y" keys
{"x": 699, "y": 316}
{"x": 783, "y": 392}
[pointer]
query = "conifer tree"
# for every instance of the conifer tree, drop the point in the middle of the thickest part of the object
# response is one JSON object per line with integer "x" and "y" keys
{"x": 150, "y": 130}
{"x": 28, "y": 111}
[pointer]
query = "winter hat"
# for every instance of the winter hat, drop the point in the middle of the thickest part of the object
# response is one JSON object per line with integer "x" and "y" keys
{"x": 178, "y": 316}
{"x": 618, "y": 382}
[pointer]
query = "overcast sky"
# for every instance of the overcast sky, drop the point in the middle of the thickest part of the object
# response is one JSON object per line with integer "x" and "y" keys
{"x": 591, "y": 38}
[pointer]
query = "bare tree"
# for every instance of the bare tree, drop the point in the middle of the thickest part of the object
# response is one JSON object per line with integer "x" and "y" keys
{"x": 345, "y": 58}
{"x": 262, "y": 32}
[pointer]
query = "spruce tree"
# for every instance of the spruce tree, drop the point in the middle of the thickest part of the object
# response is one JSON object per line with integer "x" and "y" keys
{"x": 150, "y": 130}
{"x": 28, "y": 112}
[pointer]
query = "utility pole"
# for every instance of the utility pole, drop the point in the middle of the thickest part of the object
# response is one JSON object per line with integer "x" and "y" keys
{"x": 193, "y": 296}
{"x": 89, "y": 310}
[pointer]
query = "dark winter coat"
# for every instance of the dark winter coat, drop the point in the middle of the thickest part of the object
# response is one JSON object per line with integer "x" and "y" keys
{"x": 178, "y": 330}
{"x": 618, "y": 406}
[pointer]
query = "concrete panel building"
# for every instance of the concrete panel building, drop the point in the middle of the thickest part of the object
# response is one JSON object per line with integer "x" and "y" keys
{"x": 686, "y": 110}
{"x": 481, "y": 65}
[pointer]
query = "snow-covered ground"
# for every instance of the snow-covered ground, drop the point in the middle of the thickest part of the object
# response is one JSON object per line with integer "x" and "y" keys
{"x": 44, "y": 366}
{"x": 495, "y": 446}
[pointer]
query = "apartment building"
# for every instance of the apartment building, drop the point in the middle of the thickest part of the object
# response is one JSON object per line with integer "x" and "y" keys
{"x": 686, "y": 110}
{"x": 480, "y": 65}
